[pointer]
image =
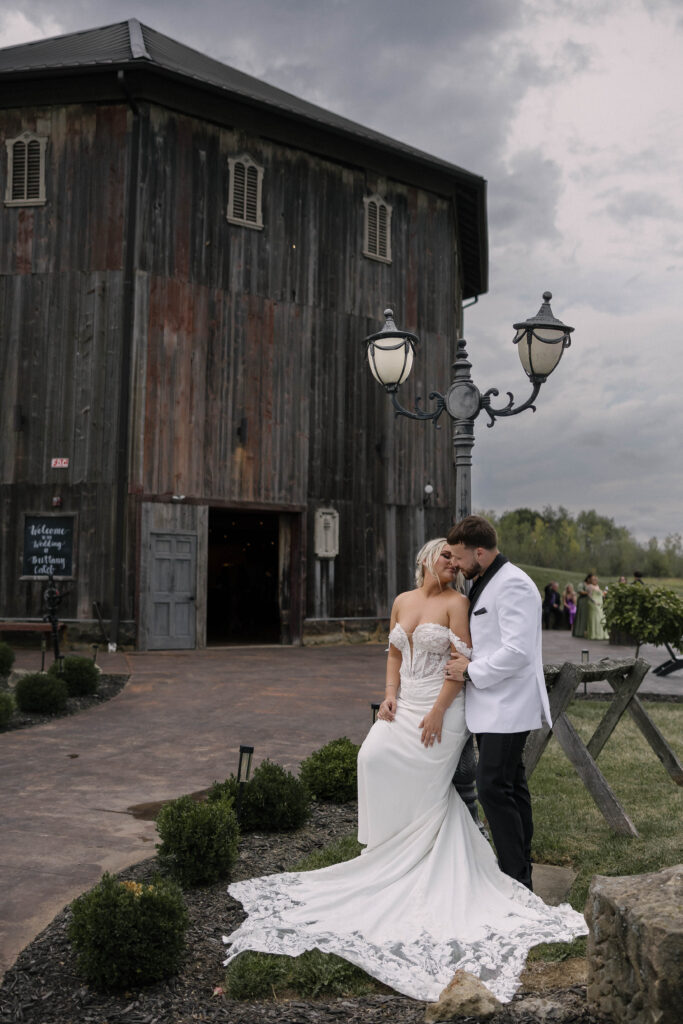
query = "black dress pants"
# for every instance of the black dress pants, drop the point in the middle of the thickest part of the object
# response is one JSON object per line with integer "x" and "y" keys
{"x": 504, "y": 795}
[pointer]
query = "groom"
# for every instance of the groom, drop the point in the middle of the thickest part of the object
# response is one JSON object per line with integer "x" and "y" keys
{"x": 505, "y": 693}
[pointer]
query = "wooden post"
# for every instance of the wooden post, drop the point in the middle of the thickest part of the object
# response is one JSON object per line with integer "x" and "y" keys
{"x": 656, "y": 741}
{"x": 560, "y": 694}
{"x": 592, "y": 778}
{"x": 624, "y": 690}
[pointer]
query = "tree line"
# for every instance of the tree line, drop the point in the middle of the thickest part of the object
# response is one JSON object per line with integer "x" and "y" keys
{"x": 585, "y": 542}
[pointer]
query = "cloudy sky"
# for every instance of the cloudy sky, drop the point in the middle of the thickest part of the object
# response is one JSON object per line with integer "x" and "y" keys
{"x": 571, "y": 109}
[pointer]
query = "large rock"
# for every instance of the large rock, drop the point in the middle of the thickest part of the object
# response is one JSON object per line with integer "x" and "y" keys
{"x": 635, "y": 947}
{"x": 463, "y": 996}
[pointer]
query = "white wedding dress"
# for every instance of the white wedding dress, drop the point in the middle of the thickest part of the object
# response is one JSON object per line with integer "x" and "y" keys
{"x": 426, "y": 896}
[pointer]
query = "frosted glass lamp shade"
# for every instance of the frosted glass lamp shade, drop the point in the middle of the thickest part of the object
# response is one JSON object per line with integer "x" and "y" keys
{"x": 391, "y": 360}
{"x": 390, "y": 354}
{"x": 540, "y": 341}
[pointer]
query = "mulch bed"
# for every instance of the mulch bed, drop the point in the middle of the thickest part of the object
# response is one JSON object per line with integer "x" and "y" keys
{"x": 44, "y": 987}
{"x": 108, "y": 686}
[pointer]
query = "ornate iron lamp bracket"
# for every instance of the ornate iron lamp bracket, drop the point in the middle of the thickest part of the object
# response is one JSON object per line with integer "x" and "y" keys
{"x": 421, "y": 414}
{"x": 508, "y": 410}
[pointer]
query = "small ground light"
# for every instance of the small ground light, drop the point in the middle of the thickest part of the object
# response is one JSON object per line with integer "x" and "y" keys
{"x": 243, "y": 772}
{"x": 60, "y": 664}
{"x": 244, "y": 764}
{"x": 94, "y": 653}
{"x": 375, "y": 712}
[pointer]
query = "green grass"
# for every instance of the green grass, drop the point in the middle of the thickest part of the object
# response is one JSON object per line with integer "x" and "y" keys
{"x": 569, "y": 830}
{"x": 313, "y": 974}
{"x": 569, "y": 827}
{"x": 542, "y": 575}
{"x": 342, "y": 849}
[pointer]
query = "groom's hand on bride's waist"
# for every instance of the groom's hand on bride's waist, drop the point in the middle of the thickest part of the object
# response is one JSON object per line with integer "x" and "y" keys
{"x": 455, "y": 668}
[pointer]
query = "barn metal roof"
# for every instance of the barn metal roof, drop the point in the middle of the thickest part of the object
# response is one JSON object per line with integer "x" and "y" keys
{"x": 131, "y": 45}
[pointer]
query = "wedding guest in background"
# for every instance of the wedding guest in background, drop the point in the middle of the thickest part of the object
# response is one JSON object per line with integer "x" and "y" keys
{"x": 569, "y": 600}
{"x": 595, "y": 622}
{"x": 552, "y": 606}
{"x": 581, "y": 617}
{"x": 638, "y": 578}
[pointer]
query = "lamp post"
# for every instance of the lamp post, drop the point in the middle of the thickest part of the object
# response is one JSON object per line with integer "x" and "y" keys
{"x": 540, "y": 341}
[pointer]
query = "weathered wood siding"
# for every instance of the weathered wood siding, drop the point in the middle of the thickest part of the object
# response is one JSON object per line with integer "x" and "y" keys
{"x": 267, "y": 326}
{"x": 60, "y": 336}
{"x": 233, "y": 328}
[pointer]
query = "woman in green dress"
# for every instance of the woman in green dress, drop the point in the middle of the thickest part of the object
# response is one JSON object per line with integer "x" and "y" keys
{"x": 581, "y": 617}
{"x": 595, "y": 623}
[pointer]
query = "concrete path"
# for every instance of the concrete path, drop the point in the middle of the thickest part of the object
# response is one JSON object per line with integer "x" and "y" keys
{"x": 69, "y": 787}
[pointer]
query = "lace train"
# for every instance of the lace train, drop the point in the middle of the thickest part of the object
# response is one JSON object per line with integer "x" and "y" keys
{"x": 426, "y": 896}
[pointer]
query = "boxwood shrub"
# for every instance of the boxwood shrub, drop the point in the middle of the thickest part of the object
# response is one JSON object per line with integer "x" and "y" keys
{"x": 273, "y": 800}
{"x": 6, "y": 708}
{"x": 40, "y": 693}
{"x": 198, "y": 840}
{"x": 6, "y": 658}
{"x": 80, "y": 675}
{"x": 126, "y": 934}
{"x": 330, "y": 773}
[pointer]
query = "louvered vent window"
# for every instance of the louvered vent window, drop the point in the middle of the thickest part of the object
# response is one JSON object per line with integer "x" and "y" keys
{"x": 377, "y": 229}
{"x": 26, "y": 170}
{"x": 244, "y": 197}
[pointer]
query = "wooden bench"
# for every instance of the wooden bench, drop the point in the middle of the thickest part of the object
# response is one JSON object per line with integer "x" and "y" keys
{"x": 17, "y": 626}
{"x": 28, "y": 627}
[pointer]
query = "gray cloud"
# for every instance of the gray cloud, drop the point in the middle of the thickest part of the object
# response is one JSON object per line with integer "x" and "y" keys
{"x": 631, "y": 205}
{"x": 452, "y": 79}
{"x": 523, "y": 201}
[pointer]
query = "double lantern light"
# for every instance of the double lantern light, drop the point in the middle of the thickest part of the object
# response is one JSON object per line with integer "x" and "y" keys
{"x": 540, "y": 341}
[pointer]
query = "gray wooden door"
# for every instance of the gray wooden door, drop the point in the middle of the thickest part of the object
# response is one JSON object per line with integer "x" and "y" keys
{"x": 172, "y": 617}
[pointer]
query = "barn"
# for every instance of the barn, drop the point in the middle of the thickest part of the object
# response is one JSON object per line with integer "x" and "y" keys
{"x": 190, "y": 260}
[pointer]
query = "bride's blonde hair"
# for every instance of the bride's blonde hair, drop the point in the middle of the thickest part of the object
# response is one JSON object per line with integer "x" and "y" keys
{"x": 427, "y": 557}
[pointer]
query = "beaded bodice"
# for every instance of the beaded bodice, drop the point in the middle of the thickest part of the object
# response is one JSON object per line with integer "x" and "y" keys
{"x": 429, "y": 651}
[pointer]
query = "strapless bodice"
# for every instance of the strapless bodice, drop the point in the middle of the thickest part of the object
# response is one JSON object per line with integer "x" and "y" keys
{"x": 429, "y": 652}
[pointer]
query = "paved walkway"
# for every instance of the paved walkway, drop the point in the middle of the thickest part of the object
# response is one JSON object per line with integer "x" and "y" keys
{"x": 69, "y": 787}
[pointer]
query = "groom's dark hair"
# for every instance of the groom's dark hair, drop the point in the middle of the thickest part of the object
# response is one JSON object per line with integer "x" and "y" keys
{"x": 474, "y": 532}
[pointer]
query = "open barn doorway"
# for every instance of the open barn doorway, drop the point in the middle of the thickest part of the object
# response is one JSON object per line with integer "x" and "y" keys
{"x": 242, "y": 578}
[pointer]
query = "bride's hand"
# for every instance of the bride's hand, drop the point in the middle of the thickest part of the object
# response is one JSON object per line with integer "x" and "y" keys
{"x": 431, "y": 727}
{"x": 387, "y": 709}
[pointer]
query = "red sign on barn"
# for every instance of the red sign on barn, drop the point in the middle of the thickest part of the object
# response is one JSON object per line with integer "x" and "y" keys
{"x": 59, "y": 464}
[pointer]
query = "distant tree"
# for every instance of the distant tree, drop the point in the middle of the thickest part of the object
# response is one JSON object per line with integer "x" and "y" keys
{"x": 656, "y": 562}
{"x": 589, "y": 541}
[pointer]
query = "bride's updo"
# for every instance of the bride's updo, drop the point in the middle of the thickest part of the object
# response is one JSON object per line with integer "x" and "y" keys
{"x": 427, "y": 557}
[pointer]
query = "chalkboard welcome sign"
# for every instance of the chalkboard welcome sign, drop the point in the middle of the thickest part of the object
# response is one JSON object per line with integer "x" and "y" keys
{"x": 48, "y": 545}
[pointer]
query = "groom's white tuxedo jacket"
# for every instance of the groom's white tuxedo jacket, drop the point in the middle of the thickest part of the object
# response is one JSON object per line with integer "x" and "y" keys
{"x": 507, "y": 691}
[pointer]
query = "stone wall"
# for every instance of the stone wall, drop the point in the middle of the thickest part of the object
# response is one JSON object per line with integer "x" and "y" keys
{"x": 345, "y": 631}
{"x": 635, "y": 947}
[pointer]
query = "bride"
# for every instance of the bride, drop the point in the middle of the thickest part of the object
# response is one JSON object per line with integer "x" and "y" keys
{"x": 426, "y": 897}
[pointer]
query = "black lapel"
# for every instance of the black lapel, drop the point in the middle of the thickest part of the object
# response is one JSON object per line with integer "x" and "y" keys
{"x": 479, "y": 584}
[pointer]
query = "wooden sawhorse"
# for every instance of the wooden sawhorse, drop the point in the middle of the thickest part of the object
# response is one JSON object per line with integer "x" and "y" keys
{"x": 624, "y": 676}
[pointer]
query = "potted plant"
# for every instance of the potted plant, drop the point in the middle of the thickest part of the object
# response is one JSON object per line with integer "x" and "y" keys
{"x": 644, "y": 615}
